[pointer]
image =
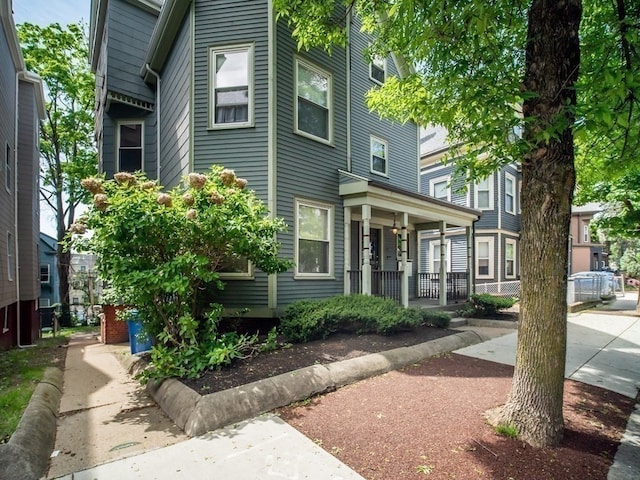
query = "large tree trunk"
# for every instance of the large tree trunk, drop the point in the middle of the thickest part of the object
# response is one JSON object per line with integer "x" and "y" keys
{"x": 548, "y": 176}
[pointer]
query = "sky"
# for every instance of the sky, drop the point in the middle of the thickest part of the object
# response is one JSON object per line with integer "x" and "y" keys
{"x": 45, "y": 12}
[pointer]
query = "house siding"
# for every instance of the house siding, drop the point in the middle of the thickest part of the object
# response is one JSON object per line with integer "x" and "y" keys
{"x": 175, "y": 106}
{"x": 245, "y": 150}
{"x": 28, "y": 200}
{"x": 308, "y": 169}
{"x": 8, "y": 86}
{"x": 129, "y": 32}
{"x": 402, "y": 154}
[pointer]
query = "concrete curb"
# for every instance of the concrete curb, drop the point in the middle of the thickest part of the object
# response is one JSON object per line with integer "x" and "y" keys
{"x": 198, "y": 414}
{"x": 26, "y": 455}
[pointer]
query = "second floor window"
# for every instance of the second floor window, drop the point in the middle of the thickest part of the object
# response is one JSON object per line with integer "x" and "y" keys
{"x": 44, "y": 273}
{"x": 231, "y": 86}
{"x": 484, "y": 194}
{"x": 439, "y": 188}
{"x": 509, "y": 193}
{"x": 130, "y": 146}
{"x": 378, "y": 156}
{"x": 378, "y": 69}
{"x": 313, "y": 102}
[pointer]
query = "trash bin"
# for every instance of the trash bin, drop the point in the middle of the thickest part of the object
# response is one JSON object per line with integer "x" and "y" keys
{"x": 139, "y": 340}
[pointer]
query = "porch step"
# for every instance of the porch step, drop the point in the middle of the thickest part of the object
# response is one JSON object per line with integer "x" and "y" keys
{"x": 458, "y": 322}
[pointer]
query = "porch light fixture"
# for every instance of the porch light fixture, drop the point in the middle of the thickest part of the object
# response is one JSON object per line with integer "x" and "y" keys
{"x": 394, "y": 229}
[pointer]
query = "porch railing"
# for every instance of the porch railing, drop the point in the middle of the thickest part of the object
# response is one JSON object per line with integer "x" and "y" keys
{"x": 384, "y": 283}
{"x": 429, "y": 285}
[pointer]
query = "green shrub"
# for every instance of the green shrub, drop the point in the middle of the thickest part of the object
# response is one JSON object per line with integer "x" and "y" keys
{"x": 484, "y": 304}
{"x": 313, "y": 319}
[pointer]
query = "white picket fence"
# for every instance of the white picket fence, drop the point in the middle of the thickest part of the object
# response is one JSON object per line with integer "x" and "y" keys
{"x": 504, "y": 289}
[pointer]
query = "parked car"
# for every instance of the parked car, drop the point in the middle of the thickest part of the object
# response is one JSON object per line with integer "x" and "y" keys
{"x": 600, "y": 283}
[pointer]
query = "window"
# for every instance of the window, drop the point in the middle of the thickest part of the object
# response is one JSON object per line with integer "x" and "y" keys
{"x": 378, "y": 156}
{"x": 585, "y": 233}
{"x": 439, "y": 188}
{"x": 10, "y": 256}
{"x": 484, "y": 194}
{"x": 313, "y": 102}
{"x": 378, "y": 69}
{"x": 434, "y": 255}
{"x": 130, "y": 146}
{"x": 510, "y": 258}
{"x": 509, "y": 193}
{"x": 7, "y": 170}
{"x": 83, "y": 268}
{"x": 519, "y": 196}
{"x": 44, "y": 302}
{"x": 75, "y": 300}
{"x": 236, "y": 267}
{"x": 231, "y": 86}
{"x": 484, "y": 257}
{"x": 314, "y": 256}
{"x": 44, "y": 273}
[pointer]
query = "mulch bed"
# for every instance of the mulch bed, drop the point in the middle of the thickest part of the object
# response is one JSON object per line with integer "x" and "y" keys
{"x": 340, "y": 346}
{"x": 427, "y": 420}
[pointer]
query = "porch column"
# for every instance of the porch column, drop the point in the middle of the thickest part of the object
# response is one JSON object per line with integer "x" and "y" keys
{"x": 470, "y": 263}
{"x": 366, "y": 244}
{"x": 404, "y": 289}
{"x": 347, "y": 250}
{"x": 443, "y": 268}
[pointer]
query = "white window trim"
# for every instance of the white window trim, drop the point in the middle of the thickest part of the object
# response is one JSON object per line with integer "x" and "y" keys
{"x": 330, "y": 218}
{"x": 432, "y": 245}
{"x": 248, "y": 47}
{"x": 437, "y": 180}
{"x": 384, "y": 69}
{"x": 512, "y": 193}
{"x": 310, "y": 66}
{"x": 7, "y": 168}
{"x": 11, "y": 261}
{"x": 519, "y": 196}
{"x": 248, "y": 275}
{"x": 491, "y": 241}
{"x": 142, "y": 141}
{"x": 386, "y": 155}
{"x": 48, "y": 273}
{"x": 511, "y": 241}
{"x": 490, "y": 180}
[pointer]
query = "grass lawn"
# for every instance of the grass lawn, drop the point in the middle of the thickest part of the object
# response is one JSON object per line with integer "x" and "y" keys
{"x": 20, "y": 371}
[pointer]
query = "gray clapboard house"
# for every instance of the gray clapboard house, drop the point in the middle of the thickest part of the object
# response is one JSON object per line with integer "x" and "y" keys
{"x": 496, "y": 235}
{"x": 182, "y": 85}
{"x": 21, "y": 108}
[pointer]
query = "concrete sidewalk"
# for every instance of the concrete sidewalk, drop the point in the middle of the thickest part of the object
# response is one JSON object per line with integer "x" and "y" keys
{"x": 119, "y": 420}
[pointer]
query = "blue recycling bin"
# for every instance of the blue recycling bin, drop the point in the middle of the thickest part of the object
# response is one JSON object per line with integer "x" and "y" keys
{"x": 139, "y": 340}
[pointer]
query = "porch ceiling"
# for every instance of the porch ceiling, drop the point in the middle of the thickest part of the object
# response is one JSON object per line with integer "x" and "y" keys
{"x": 424, "y": 212}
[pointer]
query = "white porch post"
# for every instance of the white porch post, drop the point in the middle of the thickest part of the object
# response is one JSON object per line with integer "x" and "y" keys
{"x": 470, "y": 263}
{"x": 366, "y": 245}
{"x": 347, "y": 250}
{"x": 404, "y": 289}
{"x": 443, "y": 267}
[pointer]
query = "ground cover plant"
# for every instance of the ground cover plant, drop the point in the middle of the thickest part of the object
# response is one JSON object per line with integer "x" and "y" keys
{"x": 162, "y": 253}
{"x": 20, "y": 371}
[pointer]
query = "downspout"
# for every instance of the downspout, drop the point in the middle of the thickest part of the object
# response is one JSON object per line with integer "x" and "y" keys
{"x": 348, "y": 60}
{"x": 155, "y": 74}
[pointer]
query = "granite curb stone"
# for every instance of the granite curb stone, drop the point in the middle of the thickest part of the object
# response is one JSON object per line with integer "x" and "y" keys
{"x": 26, "y": 455}
{"x": 198, "y": 414}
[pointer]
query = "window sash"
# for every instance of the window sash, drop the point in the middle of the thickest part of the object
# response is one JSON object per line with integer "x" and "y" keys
{"x": 510, "y": 259}
{"x": 313, "y": 230}
{"x": 231, "y": 85}
{"x": 130, "y": 146}
{"x": 378, "y": 156}
{"x": 483, "y": 194}
{"x": 509, "y": 194}
{"x": 313, "y": 101}
{"x": 484, "y": 257}
{"x": 378, "y": 69}
{"x": 45, "y": 276}
{"x": 440, "y": 190}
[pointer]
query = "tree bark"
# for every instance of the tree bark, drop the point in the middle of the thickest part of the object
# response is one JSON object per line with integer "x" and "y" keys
{"x": 534, "y": 406}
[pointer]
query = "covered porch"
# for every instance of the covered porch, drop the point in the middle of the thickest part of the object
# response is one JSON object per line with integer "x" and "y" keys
{"x": 381, "y": 257}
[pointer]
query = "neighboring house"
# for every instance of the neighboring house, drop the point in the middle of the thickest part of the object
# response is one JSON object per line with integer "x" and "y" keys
{"x": 496, "y": 235}
{"x": 586, "y": 253}
{"x": 21, "y": 108}
{"x": 49, "y": 286}
{"x": 85, "y": 288}
{"x": 182, "y": 85}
